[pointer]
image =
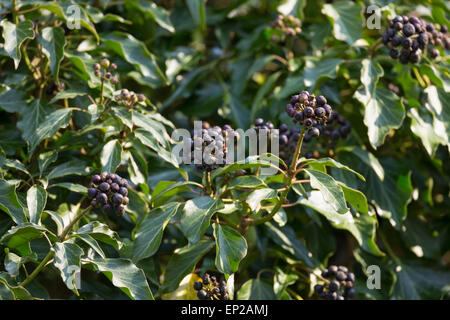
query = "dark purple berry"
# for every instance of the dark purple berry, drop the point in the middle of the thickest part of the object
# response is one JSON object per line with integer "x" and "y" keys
{"x": 321, "y": 101}
{"x": 96, "y": 179}
{"x": 314, "y": 132}
{"x": 320, "y": 112}
{"x": 102, "y": 198}
{"x": 308, "y": 112}
{"x": 198, "y": 285}
{"x": 92, "y": 192}
{"x": 202, "y": 295}
{"x": 104, "y": 186}
{"x": 107, "y": 207}
{"x": 117, "y": 199}
{"x": 334, "y": 286}
{"x": 408, "y": 29}
{"x": 308, "y": 122}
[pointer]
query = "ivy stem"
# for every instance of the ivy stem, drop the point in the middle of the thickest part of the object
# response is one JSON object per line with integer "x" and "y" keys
{"x": 102, "y": 91}
{"x": 419, "y": 77}
{"x": 289, "y": 181}
{"x": 38, "y": 269}
{"x": 72, "y": 223}
{"x": 14, "y": 11}
{"x": 208, "y": 183}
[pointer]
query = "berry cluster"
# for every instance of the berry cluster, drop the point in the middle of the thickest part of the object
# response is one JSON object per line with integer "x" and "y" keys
{"x": 109, "y": 191}
{"x": 414, "y": 36}
{"x": 212, "y": 142}
{"x": 339, "y": 284}
{"x": 309, "y": 111}
{"x": 103, "y": 71}
{"x": 129, "y": 99}
{"x": 288, "y": 25}
{"x": 210, "y": 289}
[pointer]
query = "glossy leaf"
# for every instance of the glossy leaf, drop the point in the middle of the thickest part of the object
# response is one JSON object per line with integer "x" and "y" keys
{"x": 231, "y": 248}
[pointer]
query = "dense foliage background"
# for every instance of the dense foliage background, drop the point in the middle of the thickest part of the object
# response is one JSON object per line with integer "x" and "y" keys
{"x": 218, "y": 61}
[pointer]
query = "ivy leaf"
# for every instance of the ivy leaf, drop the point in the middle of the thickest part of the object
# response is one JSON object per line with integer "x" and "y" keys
{"x": 316, "y": 70}
{"x": 126, "y": 276}
{"x": 14, "y": 36}
{"x": 231, "y": 248}
{"x": 111, "y": 156}
{"x": 361, "y": 227}
{"x": 416, "y": 281}
{"x": 9, "y": 202}
{"x": 383, "y": 112}
{"x": 256, "y": 289}
{"x": 53, "y": 122}
{"x": 255, "y": 197}
{"x": 293, "y": 7}
{"x": 346, "y": 19}
{"x": 101, "y": 232}
{"x": 285, "y": 237}
{"x": 422, "y": 127}
{"x": 33, "y": 116}
{"x": 332, "y": 192}
{"x": 250, "y": 182}
{"x": 74, "y": 187}
{"x": 72, "y": 13}
{"x": 18, "y": 237}
{"x": 67, "y": 261}
{"x": 183, "y": 262}
{"x": 36, "y": 201}
{"x": 53, "y": 41}
{"x": 438, "y": 102}
{"x": 73, "y": 167}
{"x": 91, "y": 242}
{"x": 355, "y": 197}
{"x": 136, "y": 53}
{"x": 332, "y": 163}
{"x": 13, "y": 262}
{"x": 148, "y": 234}
{"x": 154, "y": 12}
{"x": 12, "y": 100}
{"x": 196, "y": 216}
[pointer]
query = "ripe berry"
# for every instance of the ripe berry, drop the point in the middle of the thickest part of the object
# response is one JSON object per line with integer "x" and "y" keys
{"x": 406, "y": 43}
{"x": 120, "y": 210}
{"x": 126, "y": 200}
{"x": 117, "y": 199}
{"x": 351, "y": 277}
{"x": 408, "y": 29}
{"x": 314, "y": 132}
{"x": 107, "y": 207}
{"x": 308, "y": 112}
{"x": 198, "y": 285}
{"x": 394, "y": 53}
{"x": 298, "y": 115}
{"x": 102, "y": 198}
{"x": 308, "y": 122}
{"x": 341, "y": 276}
{"x": 104, "y": 186}
{"x": 350, "y": 293}
{"x": 318, "y": 288}
{"x": 96, "y": 66}
{"x": 320, "y": 112}
{"x": 321, "y": 101}
{"x": 332, "y": 269}
{"x": 92, "y": 192}
{"x": 202, "y": 295}
{"x": 334, "y": 286}
{"x": 259, "y": 122}
{"x": 115, "y": 187}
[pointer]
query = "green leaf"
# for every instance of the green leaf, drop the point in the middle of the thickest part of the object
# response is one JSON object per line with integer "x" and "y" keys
{"x": 33, "y": 116}
{"x": 247, "y": 163}
{"x": 332, "y": 163}
{"x": 138, "y": 167}
{"x": 320, "y": 241}
{"x": 196, "y": 216}
{"x": 49, "y": 127}
{"x": 14, "y": 36}
{"x": 74, "y": 187}
{"x": 422, "y": 127}
{"x": 285, "y": 237}
{"x": 332, "y": 192}
{"x": 231, "y": 248}
{"x": 154, "y": 12}
{"x": 183, "y": 262}
{"x": 126, "y": 276}
{"x": 384, "y": 111}
{"x": 316, "y": 70}
{"x": 167, "y": 189}
{"x": 111, "y": 156}
{"x": 292, "y": 7}
{"x": 136, "y": 53}
{"x": 91, "y": 242}
{"x": 155, "y": 128}
{"x": 361, "y": 227}
{"x": 255, "y": 289}
{"x": 255, "y": 198}
{"x": 36, "y": 201}
{"x": 46, "y": 159}
{"x": 416, "y": 281}
{"x": 13, "y": 262}
{"x": 10, "y": 291}
{"x": 68, "y": 94}
{"x": 356, "y": 198}
{"x": 12, "y": 100}
{"x": 71, "y": 12}
{"x": 73, "y": 167}
{"x": 149, "y": 233}
{"x": 148, "y": 139}
{"x": 347, "y": 20}
{"x": 198, "y": 12}
{"x": 437, "y": 104}
{"x": 9, "y": 202}
{"x": 282, "y": 280}
{"x": 18, "y": 237}
{"x": 371, "y": 72}
{"x": 367, "y": 158}
{"x": 250, "y": 182}
{"x": 100, "y": 232}
{"x": 67, "y": 261}
{"x": 53, "y": 41}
